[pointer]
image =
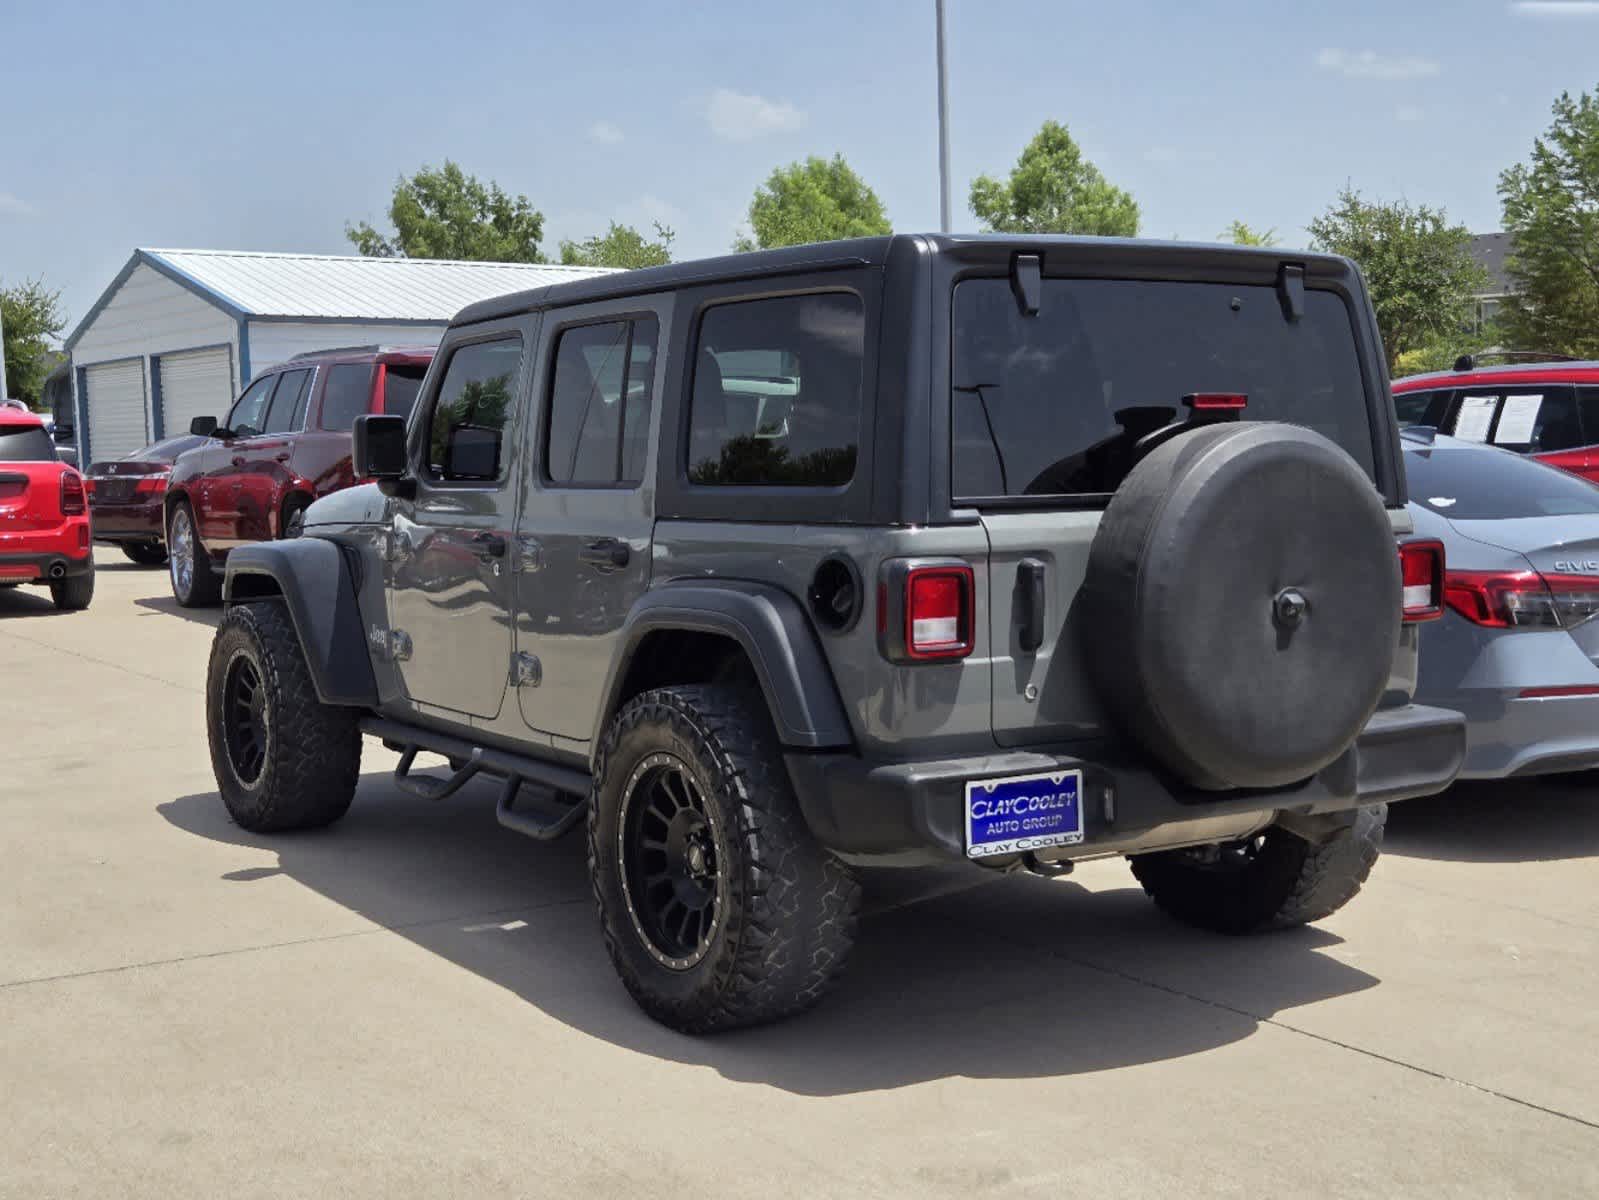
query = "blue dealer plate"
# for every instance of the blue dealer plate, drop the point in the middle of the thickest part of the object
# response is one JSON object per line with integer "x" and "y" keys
{"x": 1024, "y": 812}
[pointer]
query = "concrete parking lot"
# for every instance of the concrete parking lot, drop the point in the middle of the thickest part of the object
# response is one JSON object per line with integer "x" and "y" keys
{"x": 416, "y": 1002}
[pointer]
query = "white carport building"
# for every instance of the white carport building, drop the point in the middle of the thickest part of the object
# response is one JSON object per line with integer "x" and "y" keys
{"x": 179, "y": 332}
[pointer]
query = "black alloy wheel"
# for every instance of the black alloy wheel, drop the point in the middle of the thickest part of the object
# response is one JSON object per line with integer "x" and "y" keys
{"x": 668, "y": 843}
{"x": 244, "y": 719}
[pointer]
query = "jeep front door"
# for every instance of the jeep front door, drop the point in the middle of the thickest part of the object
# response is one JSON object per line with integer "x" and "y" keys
{"x": 449, "y": 584}
{"x": 583, "y": 538}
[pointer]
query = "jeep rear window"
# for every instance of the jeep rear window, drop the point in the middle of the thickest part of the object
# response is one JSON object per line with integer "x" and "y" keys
{"x": 1051, "y": 404}
{"x": 31, "y": 444}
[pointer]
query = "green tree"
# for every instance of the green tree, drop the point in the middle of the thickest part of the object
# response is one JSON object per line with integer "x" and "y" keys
{"x": 1551, "y": 211}
{"x": 620, "y": 246}
{"x": 32, "y": 317}
{"x": 1054, "y": 189}
{"x": 446, "y": 213}
{"x": 1240, "y": 234}
{"x": 1418, "y": 267}
{"x": 818, "y": 200}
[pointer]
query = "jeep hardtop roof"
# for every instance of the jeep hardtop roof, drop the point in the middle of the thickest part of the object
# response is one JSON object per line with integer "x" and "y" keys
{"x": 1141, "y": 257}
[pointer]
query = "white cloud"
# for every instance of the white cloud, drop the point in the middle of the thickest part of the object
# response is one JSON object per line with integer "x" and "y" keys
{"x": 735, "y": 117}
{"x": 607, "y": 133}
{"x": 1368, "y": 64}
{"x": 14, "y": 206}
{"x": 1168, "y": 156}
{"x": 1410, "y": 113}
{"x": 1556, "y": 9}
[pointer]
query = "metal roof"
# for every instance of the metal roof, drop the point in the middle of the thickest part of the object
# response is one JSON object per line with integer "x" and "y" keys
{"x": 329, "y": 287}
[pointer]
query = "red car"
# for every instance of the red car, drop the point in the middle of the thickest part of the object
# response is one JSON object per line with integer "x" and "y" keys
{"x": 127, "y": 495}
{"x": 285, "y": 443}
{"x": 1549, "y": 410}
{"x": 44, "y": 515}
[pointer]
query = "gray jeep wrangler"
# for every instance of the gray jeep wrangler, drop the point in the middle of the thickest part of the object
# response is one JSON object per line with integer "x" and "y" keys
{"x": 1016, "y": 551}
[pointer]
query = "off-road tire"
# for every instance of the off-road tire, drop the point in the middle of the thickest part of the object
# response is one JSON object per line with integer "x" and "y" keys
{"x": 1289, "y": 882}
{"x": 312, "y": 758}
{"x": 73, "y": 594}
{"x": 205, "y": 586}
{"x": 789, "y": 907}
{"x": 146, "y": 554}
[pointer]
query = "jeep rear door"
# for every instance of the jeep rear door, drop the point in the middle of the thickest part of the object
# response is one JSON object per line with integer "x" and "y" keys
{"x": 1046, "y": 408}
{"x": 584, "y": 533}
{"x": 449, "y": 581}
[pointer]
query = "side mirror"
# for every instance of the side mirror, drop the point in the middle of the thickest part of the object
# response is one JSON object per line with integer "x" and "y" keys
{"x": 379, "y": 447}
{"x": 203, "y": 426}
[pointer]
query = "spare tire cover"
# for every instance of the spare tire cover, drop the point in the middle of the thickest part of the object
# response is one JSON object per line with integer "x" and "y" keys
{"x": 1196, "y": 636}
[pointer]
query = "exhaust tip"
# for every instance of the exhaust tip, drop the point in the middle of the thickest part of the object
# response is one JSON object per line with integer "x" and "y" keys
{"x": 58, "y": 570}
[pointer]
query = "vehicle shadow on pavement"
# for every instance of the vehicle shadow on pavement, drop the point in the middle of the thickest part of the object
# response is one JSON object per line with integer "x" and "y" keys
{"x": 1013, "y": 977}
{"x": 1511, "y": 820}
{"x": 167, "y": 606}
{"x": 27, "y": 602}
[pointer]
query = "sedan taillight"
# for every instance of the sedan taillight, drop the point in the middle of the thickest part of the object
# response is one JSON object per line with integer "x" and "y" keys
{"x": 1522, "y": 599}
{"x": 73, "y": 503}
{"x": 152, "y": 485}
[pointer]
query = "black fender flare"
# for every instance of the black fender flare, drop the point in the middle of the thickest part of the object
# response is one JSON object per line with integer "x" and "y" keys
{"x": 313, "y": 577}
{"x": 776, "y": 636}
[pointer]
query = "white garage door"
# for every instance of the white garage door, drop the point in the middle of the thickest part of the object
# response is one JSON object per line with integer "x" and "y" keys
{"x": 196, "y": 384}
{"x": 116, "y": 408}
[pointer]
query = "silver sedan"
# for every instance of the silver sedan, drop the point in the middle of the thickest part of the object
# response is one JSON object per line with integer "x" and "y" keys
{"x": 1517, "y": 646}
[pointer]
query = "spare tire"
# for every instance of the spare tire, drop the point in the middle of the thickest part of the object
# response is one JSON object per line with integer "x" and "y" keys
{"x": 1242, "y": 604}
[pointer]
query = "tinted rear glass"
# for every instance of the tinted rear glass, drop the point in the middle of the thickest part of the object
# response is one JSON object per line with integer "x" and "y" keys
{"x": 347, "y": 395}
{"x": 32, "y": 444}
{"x": 400, "y": 385}
{"x": 1477, "y": 485}
{"x": 1051, "y": 404}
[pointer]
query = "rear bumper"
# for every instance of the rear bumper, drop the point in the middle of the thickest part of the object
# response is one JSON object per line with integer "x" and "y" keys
{"x": 913, "y": 813}
{"x": 42, "y": 568}
{"x": 1507, "y": 735}
{"x": 143, "y": 522}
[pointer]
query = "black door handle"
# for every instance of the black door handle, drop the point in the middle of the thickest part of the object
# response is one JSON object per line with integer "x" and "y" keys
{"x": 1029, "y": 604}
{"x": 488, "y": 545}
{"x": 606, "y": 552}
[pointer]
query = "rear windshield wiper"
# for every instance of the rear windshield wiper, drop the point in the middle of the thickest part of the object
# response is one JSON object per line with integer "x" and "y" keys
{"x": 976, "y": 389}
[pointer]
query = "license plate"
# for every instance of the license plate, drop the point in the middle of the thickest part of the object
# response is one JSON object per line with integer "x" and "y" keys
{"x": 1024, "y": 812}
{"x": 114, "y": 491}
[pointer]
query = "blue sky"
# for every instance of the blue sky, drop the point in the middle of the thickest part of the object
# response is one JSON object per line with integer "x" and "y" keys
{"x": 268, "y": 126}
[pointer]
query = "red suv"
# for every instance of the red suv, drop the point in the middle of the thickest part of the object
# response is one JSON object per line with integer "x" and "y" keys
{"x": 44, "y": 516}
{"x": 286, "y": 442}
{"x": 1549, "y": 410}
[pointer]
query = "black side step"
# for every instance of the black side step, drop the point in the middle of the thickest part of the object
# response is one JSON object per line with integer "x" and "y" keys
{"x": 549, "y": 818}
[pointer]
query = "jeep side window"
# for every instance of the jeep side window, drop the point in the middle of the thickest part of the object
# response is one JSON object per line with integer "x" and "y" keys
{"x": 777, "y": 392}
{"x": 599, "y": 406}
{"x": 466, "y": 428}
{"x": 247, "y": 414}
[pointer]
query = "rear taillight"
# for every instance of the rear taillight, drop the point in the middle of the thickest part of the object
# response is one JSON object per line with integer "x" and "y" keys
{"x": 88, "y": 486}
{"x": 1522, "y": 599}
{"x": 73, "y": 503}
{"x": 1421, "y": 575}
{"x": 926, "y": 610}
{"x": 152, "y": 485}
{"x": 938, "y": 612}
